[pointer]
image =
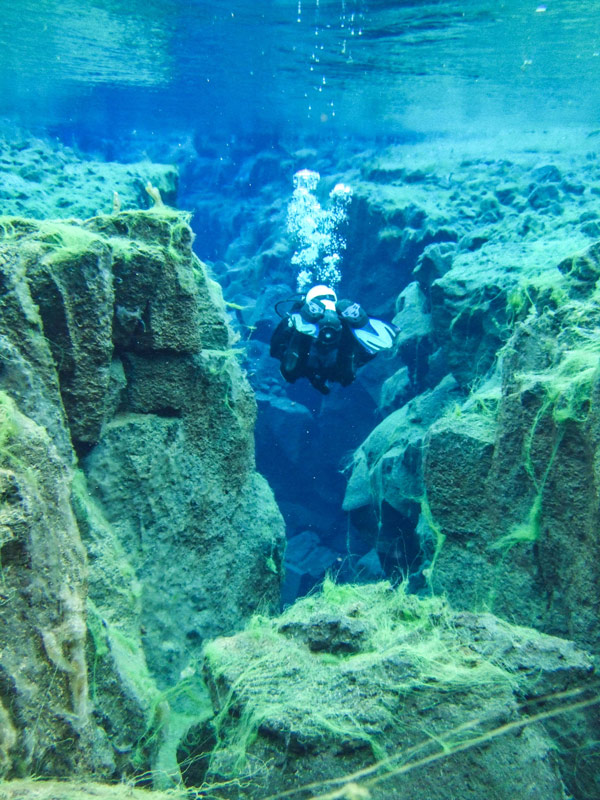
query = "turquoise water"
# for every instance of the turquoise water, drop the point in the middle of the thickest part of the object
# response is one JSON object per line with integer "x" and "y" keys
{"x": 332, "y": 67}
{"x": 439, "y": 164}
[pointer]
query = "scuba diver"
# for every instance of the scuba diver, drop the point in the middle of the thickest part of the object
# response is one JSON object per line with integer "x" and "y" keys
{"x": 325, "y": 339}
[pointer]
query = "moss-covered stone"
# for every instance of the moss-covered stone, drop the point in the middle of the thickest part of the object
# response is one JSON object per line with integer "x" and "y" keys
{"x": 27, "y": 369}
{"x": 368, "y": 687}
{"x": 386, "y": 473}
{"x": 44, "y": 696}
{"x": 474, "y": 305}
{"x": 80, "y": 790}
{"x": 520, "y": 523}
{"x": 504, "y": 476}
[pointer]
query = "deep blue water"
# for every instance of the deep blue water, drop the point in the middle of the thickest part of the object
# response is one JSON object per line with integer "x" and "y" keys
{"x": 312, "y": 67}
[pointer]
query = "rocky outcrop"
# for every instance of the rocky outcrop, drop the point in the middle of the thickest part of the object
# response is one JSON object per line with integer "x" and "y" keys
{"x": 476, "y": 479}
{"x": 45, "y": 180}
{"x": 130, "y": 502}
{"x": 512, "y": 482}
{"x": 44, "y": 697}
{"x": 499, "y": 485}
{"x": 494, "y": 486}
{"x": 375, "y": 693}
{"x": 385, "y": 477}
{"x": 443, "y": 235}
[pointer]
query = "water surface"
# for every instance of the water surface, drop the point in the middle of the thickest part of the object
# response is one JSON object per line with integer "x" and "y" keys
{"x": 339, "y": 67}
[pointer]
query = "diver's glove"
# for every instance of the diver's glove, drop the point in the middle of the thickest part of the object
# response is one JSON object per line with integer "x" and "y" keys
{"x": 352, "y": 313}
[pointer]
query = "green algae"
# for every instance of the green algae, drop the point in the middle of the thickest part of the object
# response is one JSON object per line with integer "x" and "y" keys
{"x": 439, "y": 537}
{"x": 153, "y": 721}
{"x": 11, "y": 421}
{"x": 359, "y": 684}
{"x": 60, "y": 240}
{"x": 281, "y": 682}
{"x": 565, "y": 387}
{"x": 80, "y": 790}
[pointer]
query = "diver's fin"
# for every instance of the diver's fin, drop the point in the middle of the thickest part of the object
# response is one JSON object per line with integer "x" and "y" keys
{"x": 376, "y": 335}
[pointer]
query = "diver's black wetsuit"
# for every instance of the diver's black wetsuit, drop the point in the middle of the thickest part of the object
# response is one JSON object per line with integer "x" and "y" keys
{"x": 319, "y": 344}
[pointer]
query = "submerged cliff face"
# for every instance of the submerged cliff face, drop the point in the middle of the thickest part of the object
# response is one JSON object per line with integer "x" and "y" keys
{"x": 492, "y": 484}
{"x": 480, "y": 482}
{"x": 523, "y": 453}
{"x": 130, "y": 502}
{"x": 459, "y": 240}
{"x": 133, "y": 526}
{"x": 483, "y": 471}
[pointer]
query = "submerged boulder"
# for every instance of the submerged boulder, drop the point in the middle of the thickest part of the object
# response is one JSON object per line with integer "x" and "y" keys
{"x": 381, "y": 694}
{"x": 130, "y": 500}
{"x": 386, "y": 477}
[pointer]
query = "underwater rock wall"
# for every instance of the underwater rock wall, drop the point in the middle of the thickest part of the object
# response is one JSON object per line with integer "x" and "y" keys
{"x": 43, "y": 672}
{"x": 479, "y": 482}
{"x": 130, "y": 502}
{"x": 487, "y": 475}
{"x": 511, "y": 475}
{"x": 148, "y": 524}
{"x": 487, "y": 410}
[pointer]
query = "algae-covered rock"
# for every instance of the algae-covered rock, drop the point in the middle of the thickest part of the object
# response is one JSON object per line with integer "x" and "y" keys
{"x": 382, "y": 692}
{"x": 116, "y": 354}
{"x": 512, "y": 482}
{"x": 79, "y": 790}
{"x": 43, "y": 673}
{"x": 43, "y": 179}
{"x": 473, "y": 304}
{"x": 499, "y": 485}
{"x": 44, "y": 698}
{"x": 386, "y": 476}
{"x": 27, "y": 372}
{"x": 70, "y": 277}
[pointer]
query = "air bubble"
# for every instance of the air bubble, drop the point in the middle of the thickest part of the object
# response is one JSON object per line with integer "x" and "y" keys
{"x": 316, "y": 230}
